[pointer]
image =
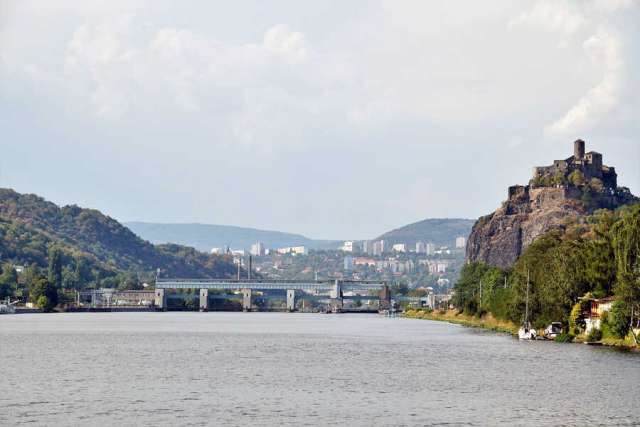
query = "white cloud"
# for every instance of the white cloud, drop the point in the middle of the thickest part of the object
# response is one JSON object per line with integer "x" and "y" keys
{"x": 281, "y": 40}
{"x": 603, "y": 48}
{"x": 556, "y": 15}
{"x": 587, "y": 23}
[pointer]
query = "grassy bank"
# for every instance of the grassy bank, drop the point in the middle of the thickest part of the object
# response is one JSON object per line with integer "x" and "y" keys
{"x": 485, "y": 322}
{"x": 491, "y": 323}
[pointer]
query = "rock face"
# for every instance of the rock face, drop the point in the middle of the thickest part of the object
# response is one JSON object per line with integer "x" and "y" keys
{"x": 499, "y": 238}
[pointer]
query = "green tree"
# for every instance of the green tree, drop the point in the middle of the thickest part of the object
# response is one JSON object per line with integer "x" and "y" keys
{"x": 625, "y": 239}
{"x": 576, "y": 178}
{"x": 44, "y": 293}
{"x": 619, "y": 319}
{"x": 8, "y": 280}
{"x": 55, "y": 266}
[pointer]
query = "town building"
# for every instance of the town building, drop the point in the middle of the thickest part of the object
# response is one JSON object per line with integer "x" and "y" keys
{"x": 379, "y": 248}
{"x": 293, "y": 250}
{"x": 399, "y": 247}
{"x": 350, "y": 246}
{"x": 421, "y": 248}
{"x": 364, "y": 261}
{"x": 367, "y": 247}
{"x": 430, "y": 248}
{"x": 258, "y": 249}
{"x": 348, "y": 263}
{"x": 461, "y": 242}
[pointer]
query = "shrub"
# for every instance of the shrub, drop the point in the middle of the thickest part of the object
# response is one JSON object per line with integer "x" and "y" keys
{"x": 576, "y": 178}
{"x": 595, "y": 335}
{"x": 576, "y": 322}
{"x": 45, "y": 304}
{"x": 564, "y": 338}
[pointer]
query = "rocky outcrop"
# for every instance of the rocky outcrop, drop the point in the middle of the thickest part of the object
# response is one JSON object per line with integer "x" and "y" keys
{"x": 557, "y": 194}
{"x": 499, "y": 238}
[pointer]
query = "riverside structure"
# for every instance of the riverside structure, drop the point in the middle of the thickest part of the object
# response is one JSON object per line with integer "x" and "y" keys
{"x": 335, "y": 291}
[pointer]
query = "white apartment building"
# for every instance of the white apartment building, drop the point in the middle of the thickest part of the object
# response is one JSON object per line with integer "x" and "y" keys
{"x": 461, "y": 242}
{"x": 350, "y": 246}
{"x": 378, "y": 248}
{"x": 430, "y": 248}
{"x": 257, "y": 249}
{"x": 399, "y": 247}
{"x": 294, "y": 250}
{"x": 421, "y": 247}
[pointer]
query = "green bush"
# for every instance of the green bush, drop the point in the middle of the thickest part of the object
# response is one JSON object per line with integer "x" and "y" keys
{"x": 595, "y": 335}
{"x": 564, "y": 338}
{"x": 45, "y": 304}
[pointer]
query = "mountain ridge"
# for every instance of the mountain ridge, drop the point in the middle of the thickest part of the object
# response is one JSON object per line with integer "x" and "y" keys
{"x": 204, "y": 237}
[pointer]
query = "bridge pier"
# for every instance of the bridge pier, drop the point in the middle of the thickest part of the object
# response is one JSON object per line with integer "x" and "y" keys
{"x": 384, "y": 298}
{"x": 291, "y": 300}
{"x": 204, "y": 300}
{"x": 336, "y": 296}
{"x": 246, "y": 300}
{"x": 160, "y": 300}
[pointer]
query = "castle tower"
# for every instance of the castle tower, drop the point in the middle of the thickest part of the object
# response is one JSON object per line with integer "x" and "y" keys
{"x": 578, "y": 149}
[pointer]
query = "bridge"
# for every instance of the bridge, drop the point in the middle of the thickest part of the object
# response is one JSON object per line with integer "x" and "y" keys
{"x": 335, "y": 291}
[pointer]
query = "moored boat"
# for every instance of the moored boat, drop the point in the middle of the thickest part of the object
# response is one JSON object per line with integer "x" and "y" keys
{"x": 526, "y": 332}
{"x": 8, "y": 307}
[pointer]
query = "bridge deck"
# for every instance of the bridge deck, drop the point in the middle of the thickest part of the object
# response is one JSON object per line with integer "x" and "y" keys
{"x": 260, "y": 284}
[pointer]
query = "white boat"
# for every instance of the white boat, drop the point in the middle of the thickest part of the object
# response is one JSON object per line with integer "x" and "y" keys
{"x": 526, "y": 332}
{"x": 8, "y": 307}
{"x": 553, "y": 330}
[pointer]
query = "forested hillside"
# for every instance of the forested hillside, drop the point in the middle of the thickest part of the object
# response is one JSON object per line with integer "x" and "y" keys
{"x": 93, "y": 249}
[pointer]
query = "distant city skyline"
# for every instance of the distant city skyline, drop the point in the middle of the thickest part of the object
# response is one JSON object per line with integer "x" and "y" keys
{"x": 331, "y": 120}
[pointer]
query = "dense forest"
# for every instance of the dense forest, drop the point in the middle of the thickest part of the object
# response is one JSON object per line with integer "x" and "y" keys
{"x": 592, "y": 258}
{"x": 79, "y": 248}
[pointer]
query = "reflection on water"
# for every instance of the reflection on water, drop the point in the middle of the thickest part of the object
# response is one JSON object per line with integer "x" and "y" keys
{"x": 300, "y": 369}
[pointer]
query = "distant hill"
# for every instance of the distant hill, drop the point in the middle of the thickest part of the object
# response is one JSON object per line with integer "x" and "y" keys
{"x": 29, "y": 225}
{"x": 441, "y": 231}
{"x": 206, "y": 236}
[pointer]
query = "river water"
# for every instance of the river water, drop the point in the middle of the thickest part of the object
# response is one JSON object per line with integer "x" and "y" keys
{"x": 300, "y": 369}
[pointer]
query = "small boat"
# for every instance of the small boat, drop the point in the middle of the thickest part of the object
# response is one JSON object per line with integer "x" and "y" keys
{"x": 8, "y": 307}
{"x": 553, "y": 330}
{"x": 526, "y": 332}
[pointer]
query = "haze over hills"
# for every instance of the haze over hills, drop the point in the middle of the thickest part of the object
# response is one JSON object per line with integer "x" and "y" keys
{"x": 204, "y": 237}
{"x": 441, "y": 231}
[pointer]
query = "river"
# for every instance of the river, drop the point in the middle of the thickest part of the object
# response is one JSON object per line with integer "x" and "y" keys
{"x": 300, "y": 369}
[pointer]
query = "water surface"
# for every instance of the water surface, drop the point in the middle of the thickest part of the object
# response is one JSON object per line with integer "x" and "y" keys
{"x": 300, "y": 369}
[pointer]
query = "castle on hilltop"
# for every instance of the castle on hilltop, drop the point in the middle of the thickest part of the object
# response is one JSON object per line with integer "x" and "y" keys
{"x": 580, "y": 168}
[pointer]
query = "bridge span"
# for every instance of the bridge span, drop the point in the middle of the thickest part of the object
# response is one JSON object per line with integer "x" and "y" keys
{"x": 334, "y": 290}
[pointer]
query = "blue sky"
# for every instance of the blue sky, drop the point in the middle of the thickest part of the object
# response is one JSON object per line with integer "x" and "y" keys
{"x": 326, "y": 119}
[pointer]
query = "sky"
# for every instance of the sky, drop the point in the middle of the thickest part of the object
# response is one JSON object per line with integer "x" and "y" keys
{"x": 331, "y": 119}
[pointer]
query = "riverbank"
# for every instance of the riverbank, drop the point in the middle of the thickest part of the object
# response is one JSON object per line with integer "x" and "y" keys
{"x": 490, "y": 323}
{"x": 485, "y": 322}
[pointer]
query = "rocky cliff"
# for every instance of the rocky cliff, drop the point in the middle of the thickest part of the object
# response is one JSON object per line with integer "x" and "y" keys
{"x": 499, "y": 238}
